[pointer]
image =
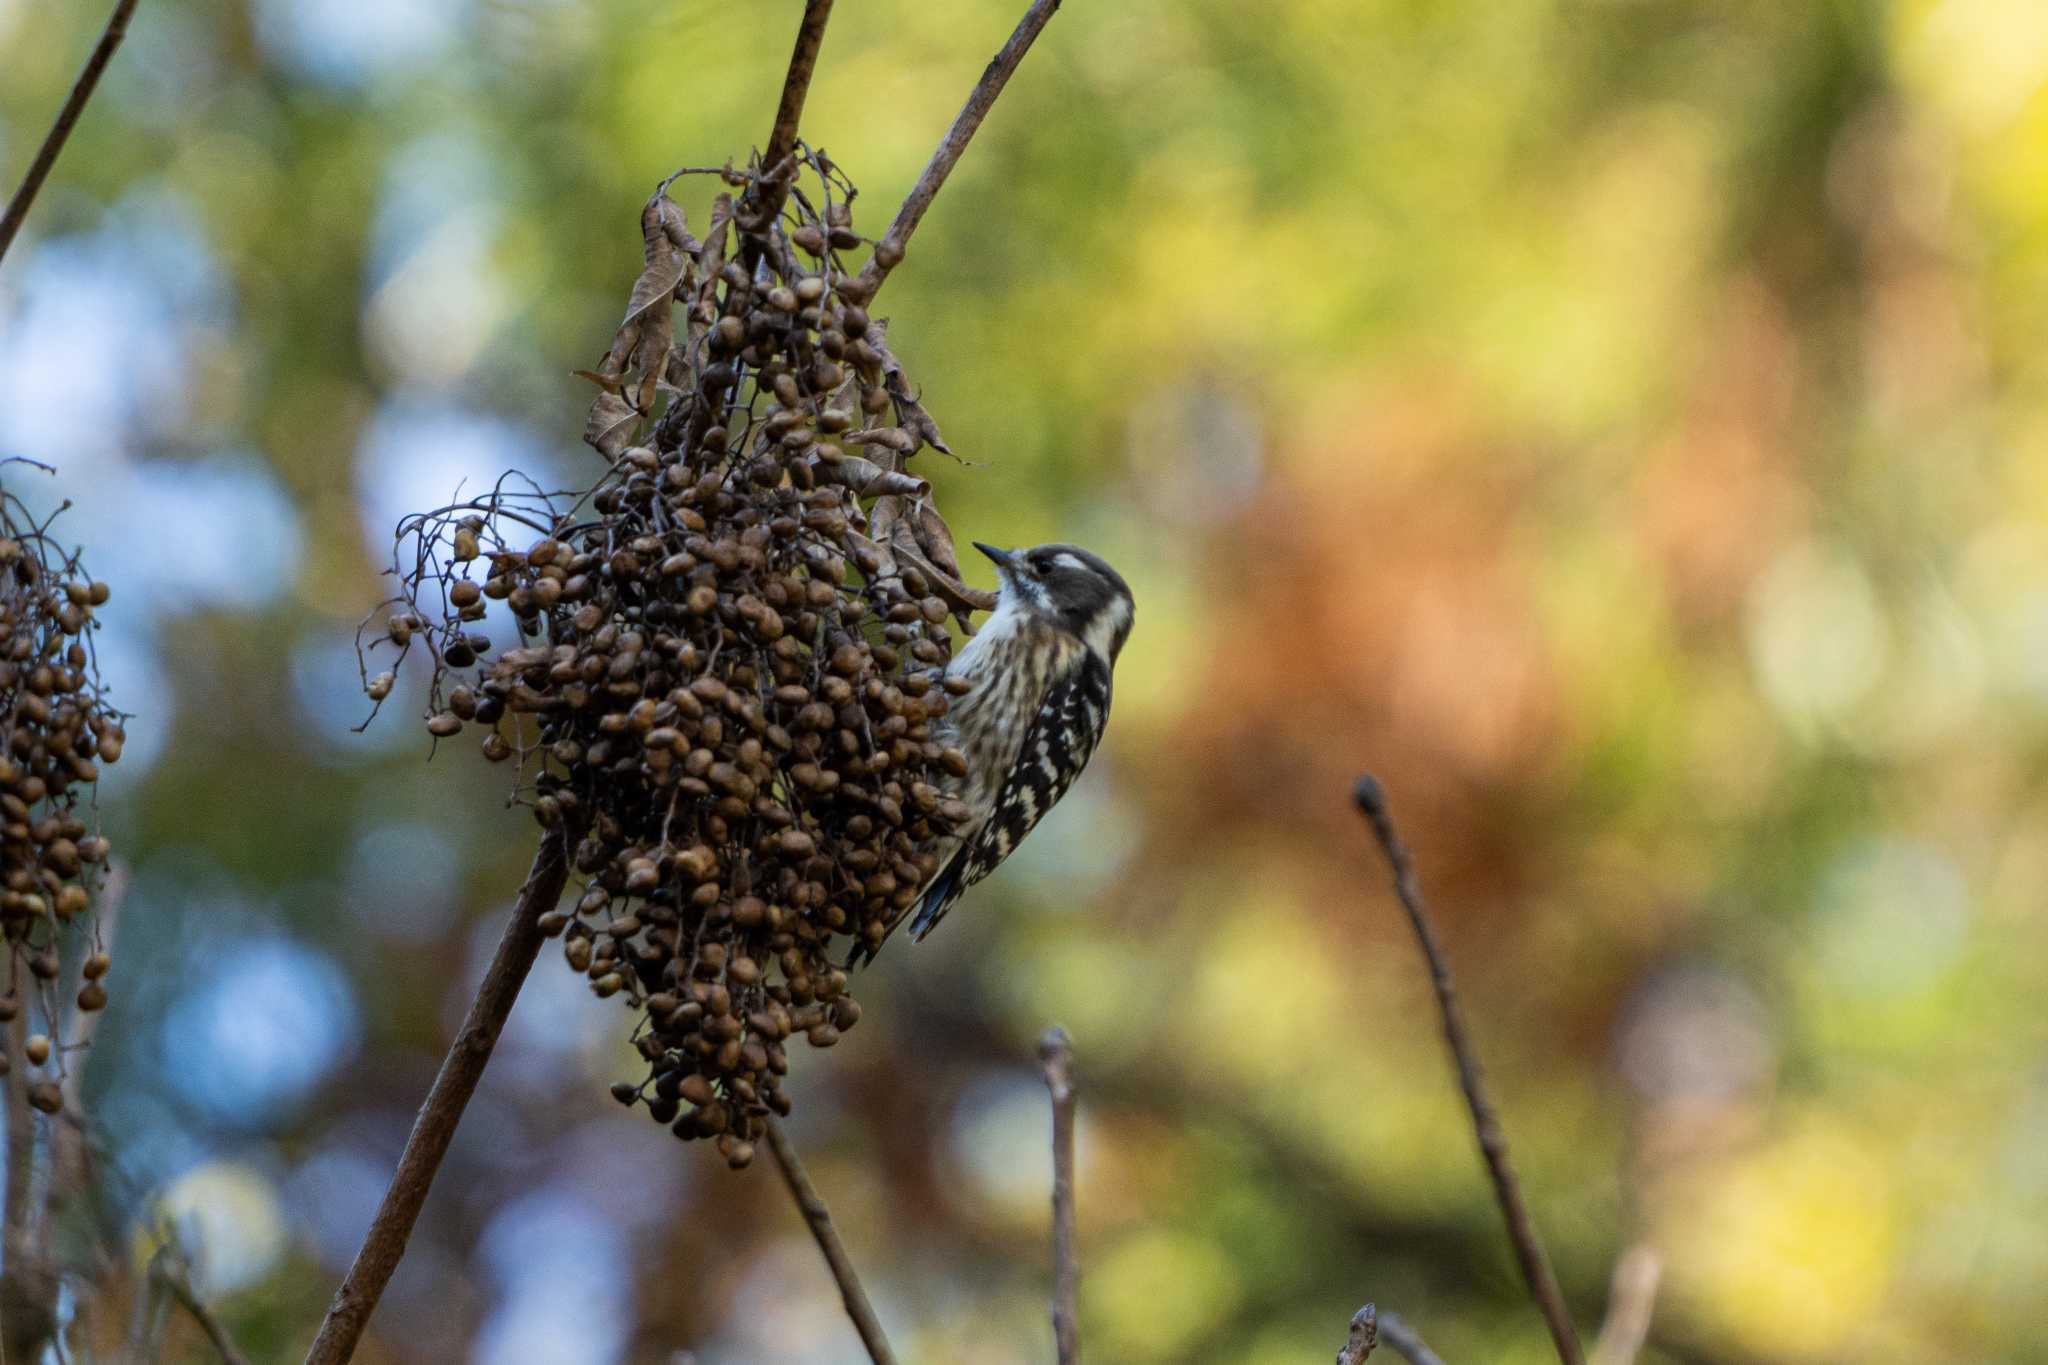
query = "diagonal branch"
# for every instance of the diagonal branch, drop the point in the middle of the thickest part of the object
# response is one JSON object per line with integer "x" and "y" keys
{"x": 168, "y": 1272}
{"x": 434, "y": 1128}
{"x": 889, "y": 250}
{"x": 812, "y": 1206}
{"x": 1056, "y": 1052}
{"x": 1493, "y": 1144}
{"x": 67, "y": 118}
{"x": 1402, "y": 1338}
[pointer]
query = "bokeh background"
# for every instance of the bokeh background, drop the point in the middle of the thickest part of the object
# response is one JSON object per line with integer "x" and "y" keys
{"x": 1620, "y": 424}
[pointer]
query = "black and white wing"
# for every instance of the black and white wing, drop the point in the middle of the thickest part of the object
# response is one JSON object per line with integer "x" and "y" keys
{"x": 1062, "y": 737}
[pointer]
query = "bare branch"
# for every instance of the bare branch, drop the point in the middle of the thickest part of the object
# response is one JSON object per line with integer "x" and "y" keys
{"x": 812, "y": 1206}
{"x": 1631, "y": 1299}
{"x": 1365, "y": 1334}
{"x": 890, "y": 249}
{"x": 1493, "y": 1144}
{"x": 1056, "y": 1052}
{"x": 67, "y": 117}
{"x": 1406, "y": 1344}
{"x": 435, "y": 1126}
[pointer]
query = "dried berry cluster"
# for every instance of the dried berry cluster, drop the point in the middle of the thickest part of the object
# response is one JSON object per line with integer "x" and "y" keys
{"x": 727, "y": 683}
{"x": 56, "y": 729}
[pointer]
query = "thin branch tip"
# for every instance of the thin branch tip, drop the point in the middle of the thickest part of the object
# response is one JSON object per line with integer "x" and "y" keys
{"x": 1406, "y": 1343}
{"x": 1530, "y": 1256}
{"x": 1365, "y": 1335}
{"x": 1370, "y": 797}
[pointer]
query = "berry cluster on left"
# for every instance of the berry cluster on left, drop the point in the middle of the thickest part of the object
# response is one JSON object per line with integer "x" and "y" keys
{"x": 56, "y": 731}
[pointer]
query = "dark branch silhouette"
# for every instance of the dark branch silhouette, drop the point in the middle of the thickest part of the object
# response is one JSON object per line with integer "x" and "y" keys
{"x": 67, "y": 118}
{"x": 435, "y": 1126}
{"x": 803, "y": 64}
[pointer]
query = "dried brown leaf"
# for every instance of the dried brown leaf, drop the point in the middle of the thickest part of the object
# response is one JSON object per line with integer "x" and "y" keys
{"x": 911, "y": 417}
{"x": 935, "y": 539}
{"x": 647, "y": 334}
{"x": 611, "y": 425}
{"x": 870, "y": 480}
{"x": 889, "y": 438}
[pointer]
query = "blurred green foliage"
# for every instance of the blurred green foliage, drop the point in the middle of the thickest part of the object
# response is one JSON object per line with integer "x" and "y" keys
{"x": 1620, "y": 424}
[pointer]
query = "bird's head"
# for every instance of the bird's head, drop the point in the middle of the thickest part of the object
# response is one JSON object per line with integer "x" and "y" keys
{"x": 1071, "y": 587}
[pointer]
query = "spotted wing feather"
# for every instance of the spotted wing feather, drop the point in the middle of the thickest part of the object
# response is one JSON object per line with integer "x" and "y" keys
{"x": 1062, "y": 737}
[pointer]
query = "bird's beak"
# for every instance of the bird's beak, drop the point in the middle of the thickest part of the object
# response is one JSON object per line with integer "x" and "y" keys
{"x": 1002, "y": 559}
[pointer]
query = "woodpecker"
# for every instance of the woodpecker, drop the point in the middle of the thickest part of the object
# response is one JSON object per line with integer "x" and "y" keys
{"x": 1037, "y": 701}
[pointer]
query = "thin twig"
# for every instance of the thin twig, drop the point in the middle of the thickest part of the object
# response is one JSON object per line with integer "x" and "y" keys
{"x": 1631, "y": 1300}
{"x": 812, "y": 1206}
{"x": 21, "y": 1136}
{"x": 435, "y": 1125}
{"x": 74, "y": 105}
{"x": 66, "y": 1168}
{"x": 1406, "y": 1344}
{"x": 28, "y": 1291}
{"x": 1365, "y": 1334}
{"x": 803, "y": 63}
{"x": 1056, "y": 1052}
{"x": 890, "y": 249}
{"x": 1493, "y": 1144}
{"x": 170, "y": 1273}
